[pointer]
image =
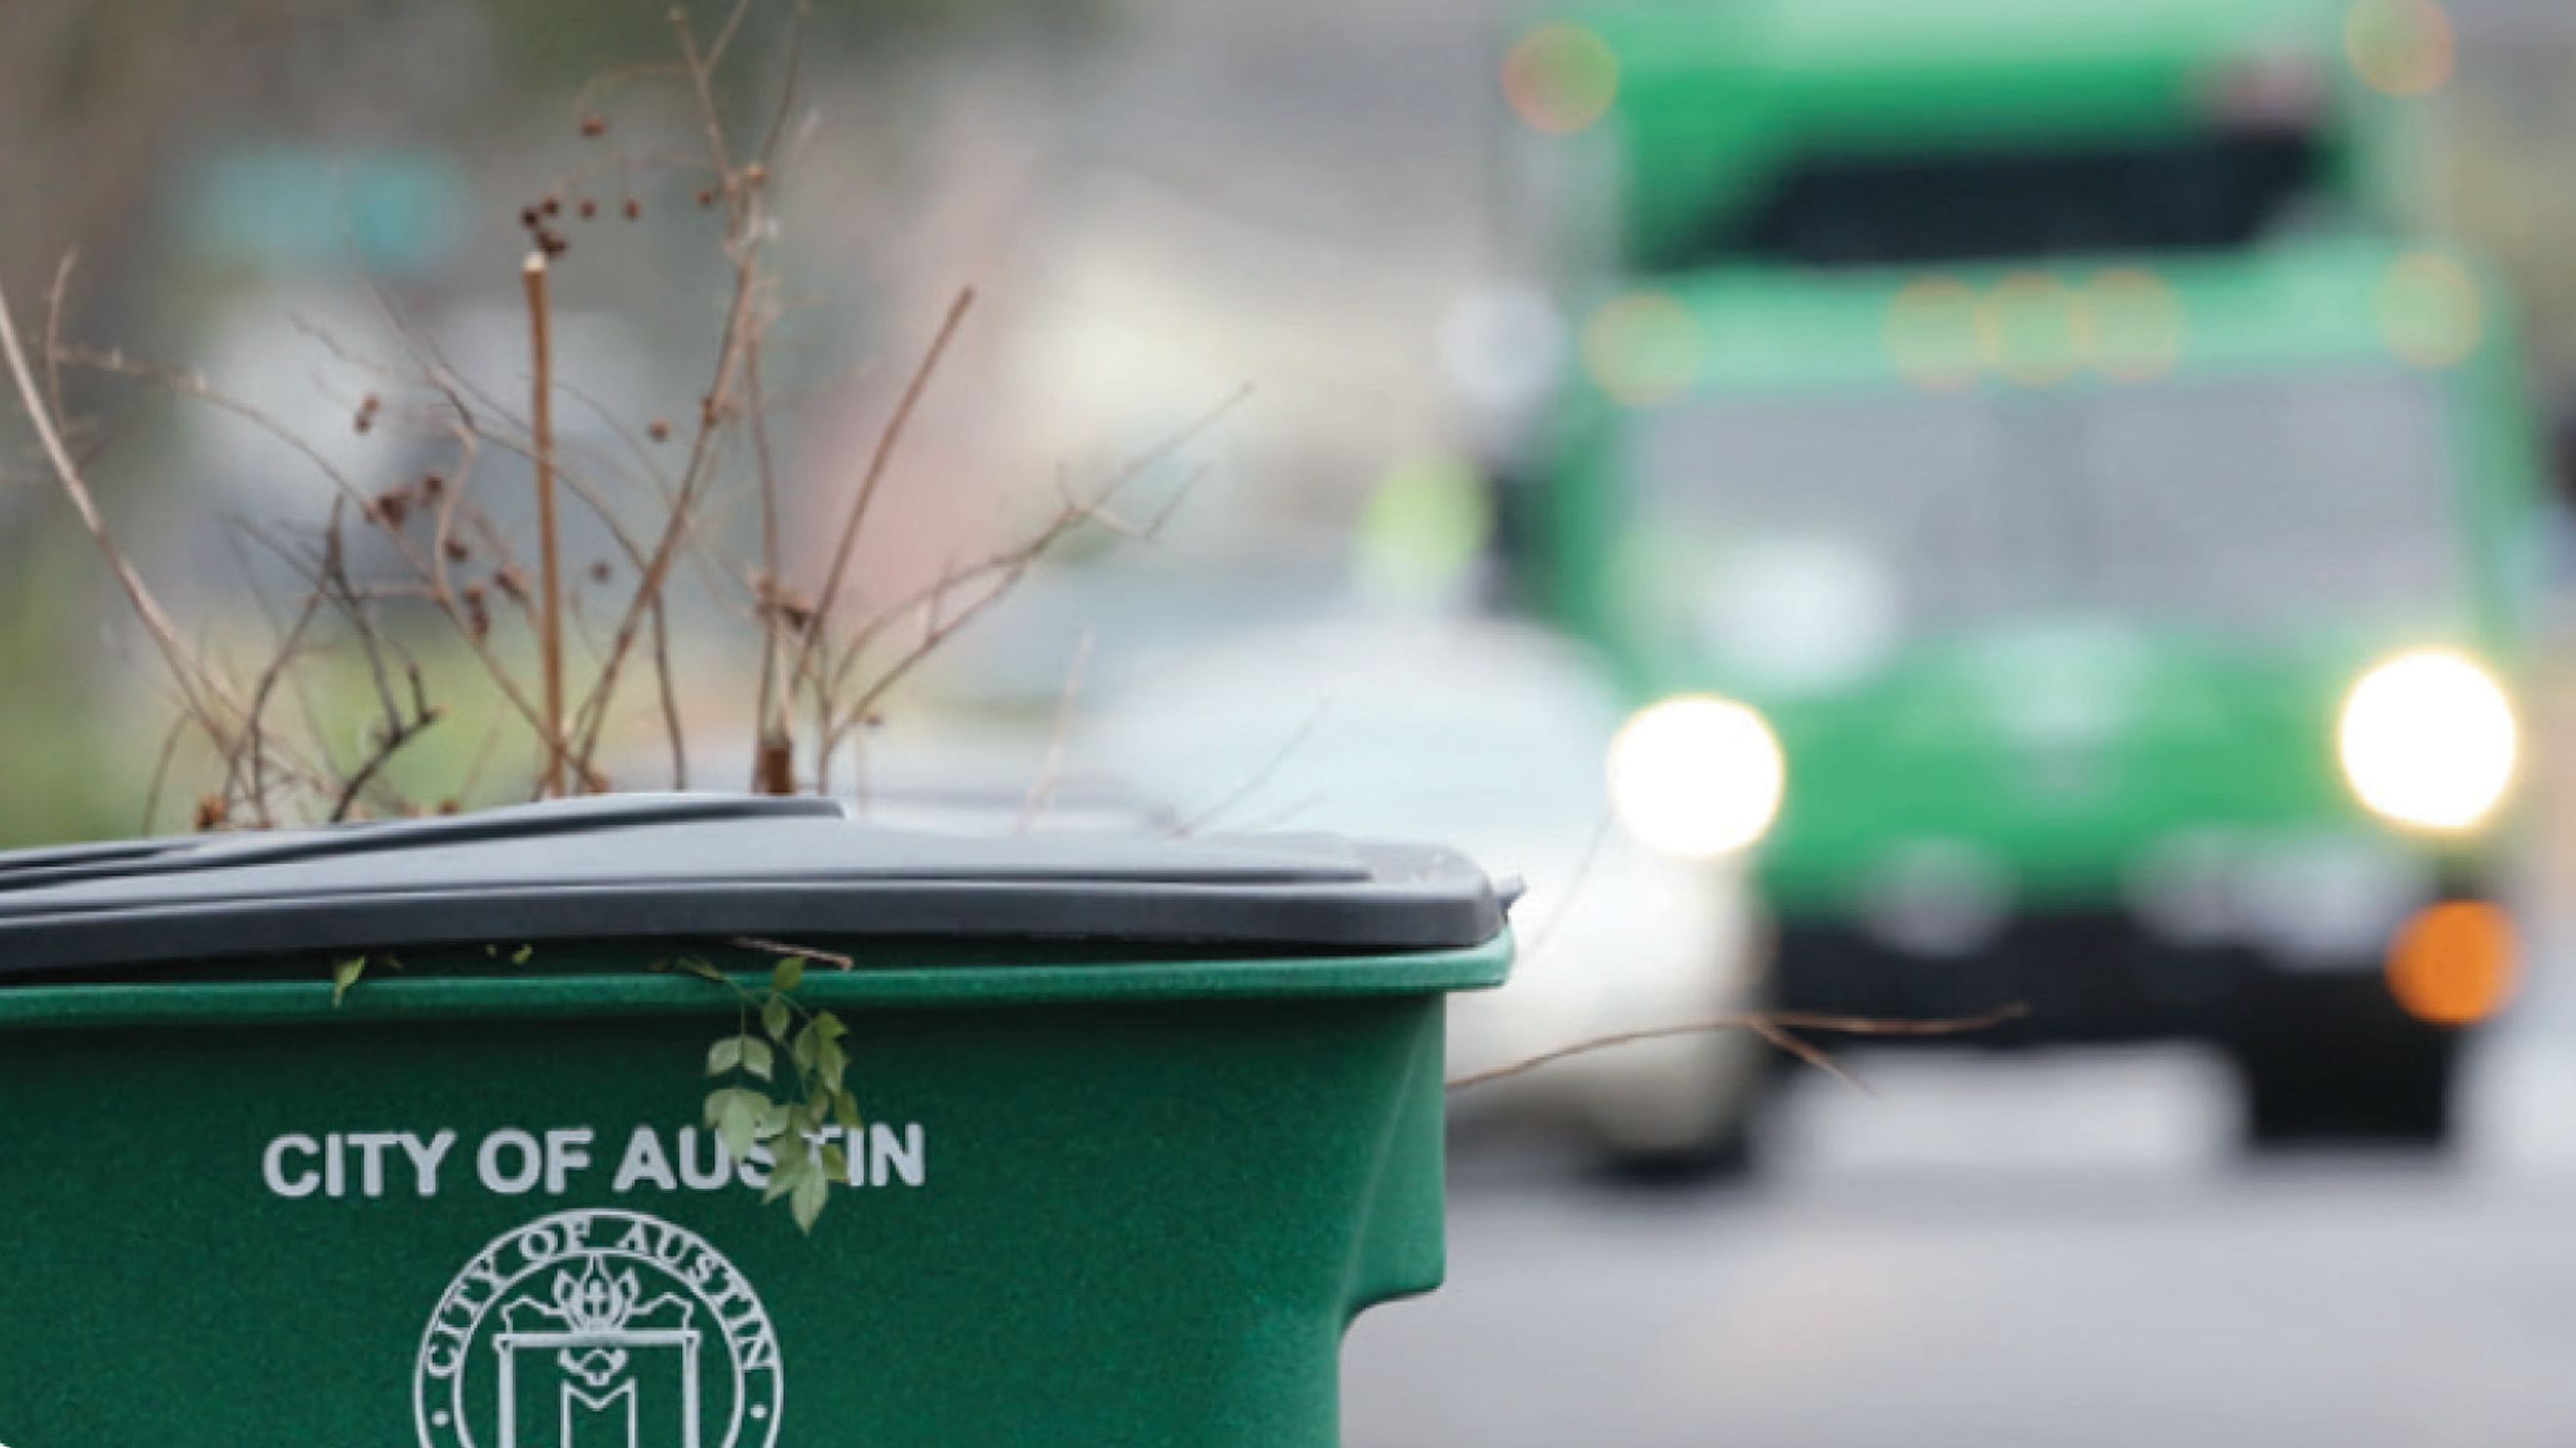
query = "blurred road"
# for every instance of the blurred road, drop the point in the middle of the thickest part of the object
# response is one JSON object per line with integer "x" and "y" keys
{"x": 2048, "y": 1250}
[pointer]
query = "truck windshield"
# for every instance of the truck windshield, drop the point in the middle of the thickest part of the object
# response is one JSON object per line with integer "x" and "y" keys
{"x": 2242, "y": 503}
{"x": 2196, "y": 193}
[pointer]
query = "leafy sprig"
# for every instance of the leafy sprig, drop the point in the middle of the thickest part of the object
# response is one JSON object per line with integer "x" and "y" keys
{"x": 783, "y": 1072}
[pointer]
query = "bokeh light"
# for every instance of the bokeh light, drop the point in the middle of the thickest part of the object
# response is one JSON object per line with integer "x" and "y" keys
{"x": 1561, "y": 79}
{"x": 2403, "y": 47}
{"x": 2429, "y": 739}
{"x": 2133, "y": 323}
{"x": 1697, "y": 776}
{"x": 2428, "y": 309}
{"x": 1642, "y": 348}
{"x": 2453, "y": 963}
{"x": 1932, "y": 333}
{"x": 1422, "y": 529}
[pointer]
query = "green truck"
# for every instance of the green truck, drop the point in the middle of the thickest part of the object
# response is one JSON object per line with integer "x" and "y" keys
{"x": 2055, "y": 515}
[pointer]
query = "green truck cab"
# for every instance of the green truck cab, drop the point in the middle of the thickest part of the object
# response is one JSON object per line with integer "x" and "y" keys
{"x": 2053, "y": 517}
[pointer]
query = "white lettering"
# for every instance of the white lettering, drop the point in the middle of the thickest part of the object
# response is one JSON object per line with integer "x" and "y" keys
{"x": 371, "y": 1159}
{"x": 272, "y": 1166}
{"x": 644, "y": 1162}
{"x": 715, "y": 1174}
{"x": 426, "y": 1157}
{"x": 903, "y": 1153}
{"x": 510, "y": 1161}
{"x": 564, "y": 1155}
{"x": 487, "y": 1162}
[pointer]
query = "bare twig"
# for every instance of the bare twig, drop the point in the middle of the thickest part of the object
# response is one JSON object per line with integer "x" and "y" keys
{"x": 1574, "y": 883}
{"x": 857, "y": 516}
{"x": 1052, "y": 773}
{"x": 1251, "y": 786}
{"x": 541, "y": 428}
{"x": 778, "y": 947}
{"x": 213, "y": 706}
{"x": 1772, "y": 1026}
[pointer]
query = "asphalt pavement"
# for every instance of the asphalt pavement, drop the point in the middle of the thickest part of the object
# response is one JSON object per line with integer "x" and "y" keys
{"x": 2053, "y": 1250}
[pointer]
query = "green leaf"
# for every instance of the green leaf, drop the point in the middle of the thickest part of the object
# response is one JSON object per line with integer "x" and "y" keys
{"x": 807, "y": 1204}
{"x": 738, "y": 1124}
{"x": 725, "y": 1055}
{"x": 845, "y": 1109}
{"x": 756, "y": 1056}
{"x": 806, "y": 1044}
{"x": 830, "y": 1025}
{"x": 344, "y": 974}
{"x": 836, "y": 1162}
{"x": 774, "y": 1018}
{"x": 787, "y": 974}
{"x": 791, "y": 1168}
{"x": 830, "y": 1063}
{"x": 522, "y": 954}
{"x": 700, "y": 969}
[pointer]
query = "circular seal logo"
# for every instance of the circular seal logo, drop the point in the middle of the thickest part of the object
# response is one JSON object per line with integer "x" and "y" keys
{"x": 587, "y": 1328}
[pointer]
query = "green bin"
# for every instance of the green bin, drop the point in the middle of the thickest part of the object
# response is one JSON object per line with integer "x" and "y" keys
{"x": 1147, "y": 1121}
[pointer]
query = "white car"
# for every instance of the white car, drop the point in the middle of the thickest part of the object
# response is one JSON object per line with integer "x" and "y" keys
{"x": 1492, "y": 738}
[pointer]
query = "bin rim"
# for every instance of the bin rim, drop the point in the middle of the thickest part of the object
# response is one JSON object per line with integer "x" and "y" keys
{"x": 902, "y": 985}
{"x": 692, "y": 867}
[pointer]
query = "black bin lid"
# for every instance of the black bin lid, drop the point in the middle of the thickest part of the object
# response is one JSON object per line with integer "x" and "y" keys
{"x": 694, "y": 867}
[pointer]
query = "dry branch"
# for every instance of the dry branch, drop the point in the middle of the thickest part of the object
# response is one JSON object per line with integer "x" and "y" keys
{"x": 1773, "y": 1026}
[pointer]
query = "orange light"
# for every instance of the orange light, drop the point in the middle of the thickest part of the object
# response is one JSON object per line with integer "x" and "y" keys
{"x": 2134, "y": 324}
{"x": 1642, "y": 348}
{"x": 2428, "y": 309}
{"x": 1561, "y": 79}
{"x": 1932, "y": 333}
{"x": 2453, "y": 963}
{"x": 2403, "y": 47}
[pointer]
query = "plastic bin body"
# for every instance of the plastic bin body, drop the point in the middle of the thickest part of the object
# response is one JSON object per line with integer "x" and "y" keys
{"x": 1103, "y": 1200}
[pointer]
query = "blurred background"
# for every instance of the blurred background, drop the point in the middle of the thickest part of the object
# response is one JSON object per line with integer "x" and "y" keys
{"x": 1916, "y": 510}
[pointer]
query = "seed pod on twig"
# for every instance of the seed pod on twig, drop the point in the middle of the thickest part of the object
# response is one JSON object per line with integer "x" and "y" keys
{"x": 211, "y": 812}
{"x": 788, "y": 606}
{"x": 593, "y": 127}
{"x": 776, "y": 769}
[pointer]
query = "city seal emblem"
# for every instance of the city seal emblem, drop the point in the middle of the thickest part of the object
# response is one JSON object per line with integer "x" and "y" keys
{"x": 598, "y": 1329}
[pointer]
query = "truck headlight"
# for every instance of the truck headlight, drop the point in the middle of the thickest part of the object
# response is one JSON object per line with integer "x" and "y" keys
{"x": 1696, "y": 776}
{"x": 2428, "y": 739}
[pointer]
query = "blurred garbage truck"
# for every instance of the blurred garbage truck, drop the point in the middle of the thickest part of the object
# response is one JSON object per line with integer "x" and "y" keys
{"x": 2059, "y": 519}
